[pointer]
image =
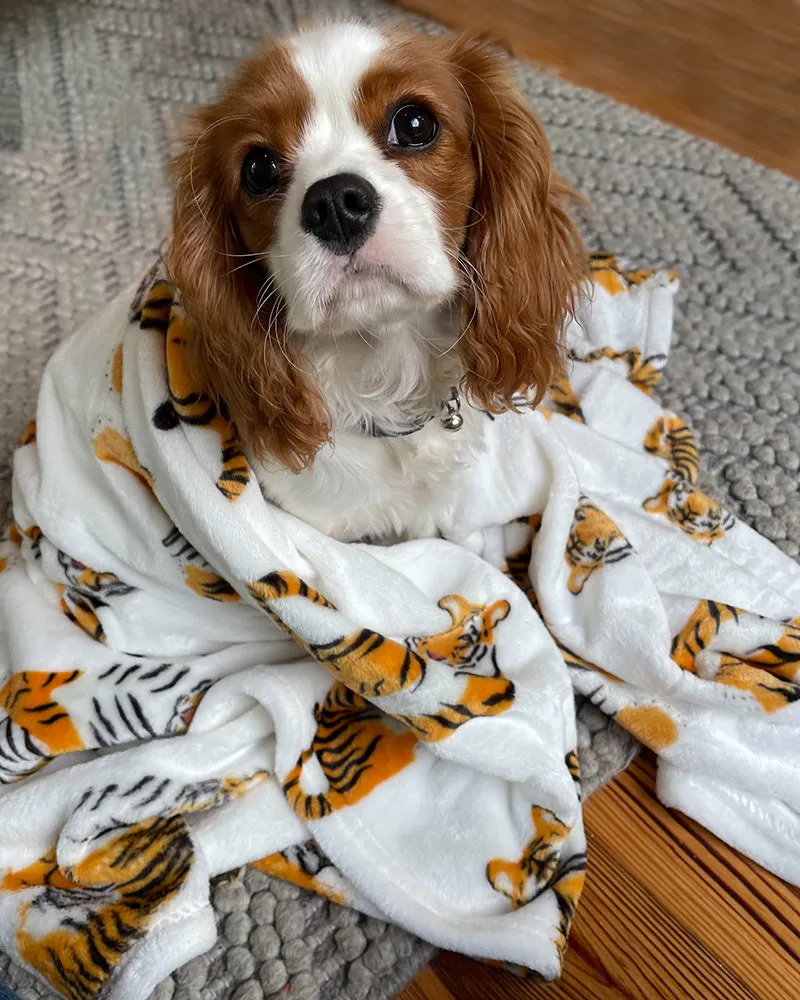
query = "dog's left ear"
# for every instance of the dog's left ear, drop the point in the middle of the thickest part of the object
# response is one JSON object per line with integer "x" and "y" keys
{"x": 520, "y": 240}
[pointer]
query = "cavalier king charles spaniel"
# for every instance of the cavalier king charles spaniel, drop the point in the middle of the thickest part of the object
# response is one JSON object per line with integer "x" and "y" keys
{"x": 374, "y": 253}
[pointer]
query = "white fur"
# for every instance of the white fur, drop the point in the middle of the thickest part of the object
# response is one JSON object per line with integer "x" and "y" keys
{"x": 377, "y": 328}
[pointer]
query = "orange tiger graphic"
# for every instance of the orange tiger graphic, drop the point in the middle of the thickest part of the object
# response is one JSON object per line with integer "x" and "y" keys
{"x": 782, "y": 657}
{"x": 185, "y": 707}
{"x": 156, "y": 307}
{"x": 567, "y": 889}
{"x": 770, "y": 691}
{"x": 690, "y": 509}
{"x": 86, "y": 592}
{"x": 374, "y": 666}
{"x": 470, "y": 640}
{"x": 197, "y": 572}
{"x": 594, "y": 541}
{"x": 305, "y": 865}
{"x": 28, "y": 699}
{"x": 767, "y": 672}
{"x": 670, "y": 438}
{"x": 355, "y": 748}
{"x": 607, "y": 272}
{"x": 28, "y": 436}
{"x": 644, "y": 373}
{"x": 364, "y": 660}
{"x": 521, "y": 880}
{"x": 206, "y": 583}
{"x": 699, "y": 632}
{"x": 111, "y": 446}
{"x": 561, "y": 398}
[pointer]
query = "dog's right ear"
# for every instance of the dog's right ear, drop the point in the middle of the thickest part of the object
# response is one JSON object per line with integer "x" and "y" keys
{"x": 238, "y": 352}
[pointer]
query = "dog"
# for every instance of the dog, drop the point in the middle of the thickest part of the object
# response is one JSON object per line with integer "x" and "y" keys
{"x": 374, "y": 253}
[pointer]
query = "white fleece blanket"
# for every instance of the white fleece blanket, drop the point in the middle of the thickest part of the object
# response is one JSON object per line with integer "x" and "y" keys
{"x": 392, "y": 727}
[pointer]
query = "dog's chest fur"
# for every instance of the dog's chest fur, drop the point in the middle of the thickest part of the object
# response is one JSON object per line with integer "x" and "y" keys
{"x": 373, "y": 487}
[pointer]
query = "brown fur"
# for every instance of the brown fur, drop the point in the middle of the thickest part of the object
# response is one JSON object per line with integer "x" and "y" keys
{"x": 245, "y": 362}
{"x": 520, "y": 239}
{"x": 501, "y": 208}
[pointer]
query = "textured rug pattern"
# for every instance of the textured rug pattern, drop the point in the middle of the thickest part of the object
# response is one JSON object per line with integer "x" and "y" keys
{"x": 92, "y": 93}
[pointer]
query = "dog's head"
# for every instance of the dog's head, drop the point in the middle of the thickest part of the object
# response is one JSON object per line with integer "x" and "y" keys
{"x": 350, "y": 177}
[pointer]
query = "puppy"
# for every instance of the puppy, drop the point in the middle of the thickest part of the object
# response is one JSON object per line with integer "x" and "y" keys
{"x": 374, "y": 252}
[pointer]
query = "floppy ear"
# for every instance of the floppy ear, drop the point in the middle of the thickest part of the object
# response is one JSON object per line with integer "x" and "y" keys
{"x": 237, "y": 351}
{"x": 520, "y": 241}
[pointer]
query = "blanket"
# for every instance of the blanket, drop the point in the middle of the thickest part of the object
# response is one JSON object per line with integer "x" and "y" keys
{"x": 194, "y": 680}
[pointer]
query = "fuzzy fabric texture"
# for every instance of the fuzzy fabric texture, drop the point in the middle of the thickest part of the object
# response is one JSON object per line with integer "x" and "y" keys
{"x": 92, "y": 94}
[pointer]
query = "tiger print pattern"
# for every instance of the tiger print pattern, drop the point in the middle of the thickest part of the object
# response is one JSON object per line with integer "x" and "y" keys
{"x": 95, "y": 911}
{"x": 567, "y": 889}
{"x": 691, "y": 510}
{"x": 561, "y": 398}
{"x": 469, "y": 643}
{"x": 197, "y": 572}
{"x": 644, "y": 373}
{"x": 700, "y": 630}
{"x": 679, "y": 499}
{"x": 36, "y": 727}
{"x": 86, "y": 592}
{"x": 28, "y": 436}
{"x": 132, "y": 700}
{"x": 356, "y": 747}
{"x": 103, "y": 907}
{"x": 770, "y": 691}
{"x": 782, "y": 657}
{"x": 185, "y": 707}
{"x": 766, "y": 672}
{"x": 671, "y": 439}
{"x": 364, "y": 660}
{"x": 156, "y": 307}
{"x": 594, "y": 541}
{"x": 111, "y": 446}
{"x": 374, "y": 666}
{"x": 305, "y": 865}
{"x": 607, "y": 271}
{"x": 523, "y": 879}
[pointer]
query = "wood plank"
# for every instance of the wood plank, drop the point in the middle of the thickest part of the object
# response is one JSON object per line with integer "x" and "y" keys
{"x": 727, "y": 71}
{"x": 669, "y": 913}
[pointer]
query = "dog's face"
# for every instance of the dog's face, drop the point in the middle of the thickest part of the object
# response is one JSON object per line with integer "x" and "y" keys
{"x": 351, "y": 177}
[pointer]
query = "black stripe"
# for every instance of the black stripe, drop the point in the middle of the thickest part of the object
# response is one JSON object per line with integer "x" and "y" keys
{"x": 106, "y": 791}
{"x": 128, "y": 672}
{"x": 138, "y": 786}
{"x": 124, "y": 717}
{"x": 110, "y": 672}
{"x": 155, "y": 672}
{"x": 109, "y": 728}
{"x": 43, "y": 708}
{"x": 155, "y": 794}
{"x": 137, "y": 708}
{"x": 99, "y": 738}
{"x": 173, "y": 682}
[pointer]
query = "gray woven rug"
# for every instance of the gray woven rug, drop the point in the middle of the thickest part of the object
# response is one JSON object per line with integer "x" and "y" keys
{"x": 91, "y": 95}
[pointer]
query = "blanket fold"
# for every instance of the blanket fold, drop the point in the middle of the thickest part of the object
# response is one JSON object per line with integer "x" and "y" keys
{"x": 192, "y": 679}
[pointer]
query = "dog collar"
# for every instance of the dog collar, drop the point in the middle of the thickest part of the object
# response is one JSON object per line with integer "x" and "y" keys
{"x": 449, "y": 417}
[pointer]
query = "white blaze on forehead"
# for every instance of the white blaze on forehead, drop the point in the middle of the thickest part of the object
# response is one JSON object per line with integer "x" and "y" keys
{"x": 332, "y": 59}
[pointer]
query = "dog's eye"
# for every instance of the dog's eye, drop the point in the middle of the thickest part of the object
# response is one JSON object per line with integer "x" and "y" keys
{"x": 260, "y": 171}
{"x": 413, "y": 126}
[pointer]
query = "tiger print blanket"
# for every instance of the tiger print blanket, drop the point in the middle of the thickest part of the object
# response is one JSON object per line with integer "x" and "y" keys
{"x": 193, "y": 680}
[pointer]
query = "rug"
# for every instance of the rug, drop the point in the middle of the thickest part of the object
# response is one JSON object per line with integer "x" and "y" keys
{"x": 92, "y": 93}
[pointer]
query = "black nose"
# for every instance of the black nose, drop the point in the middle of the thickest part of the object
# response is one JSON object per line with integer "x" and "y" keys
{"x": 341, "y": 211}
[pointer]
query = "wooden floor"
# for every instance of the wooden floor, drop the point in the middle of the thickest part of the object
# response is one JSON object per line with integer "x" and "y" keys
{"x": 668, "y": 913}
{"x": 728, "y": 70}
